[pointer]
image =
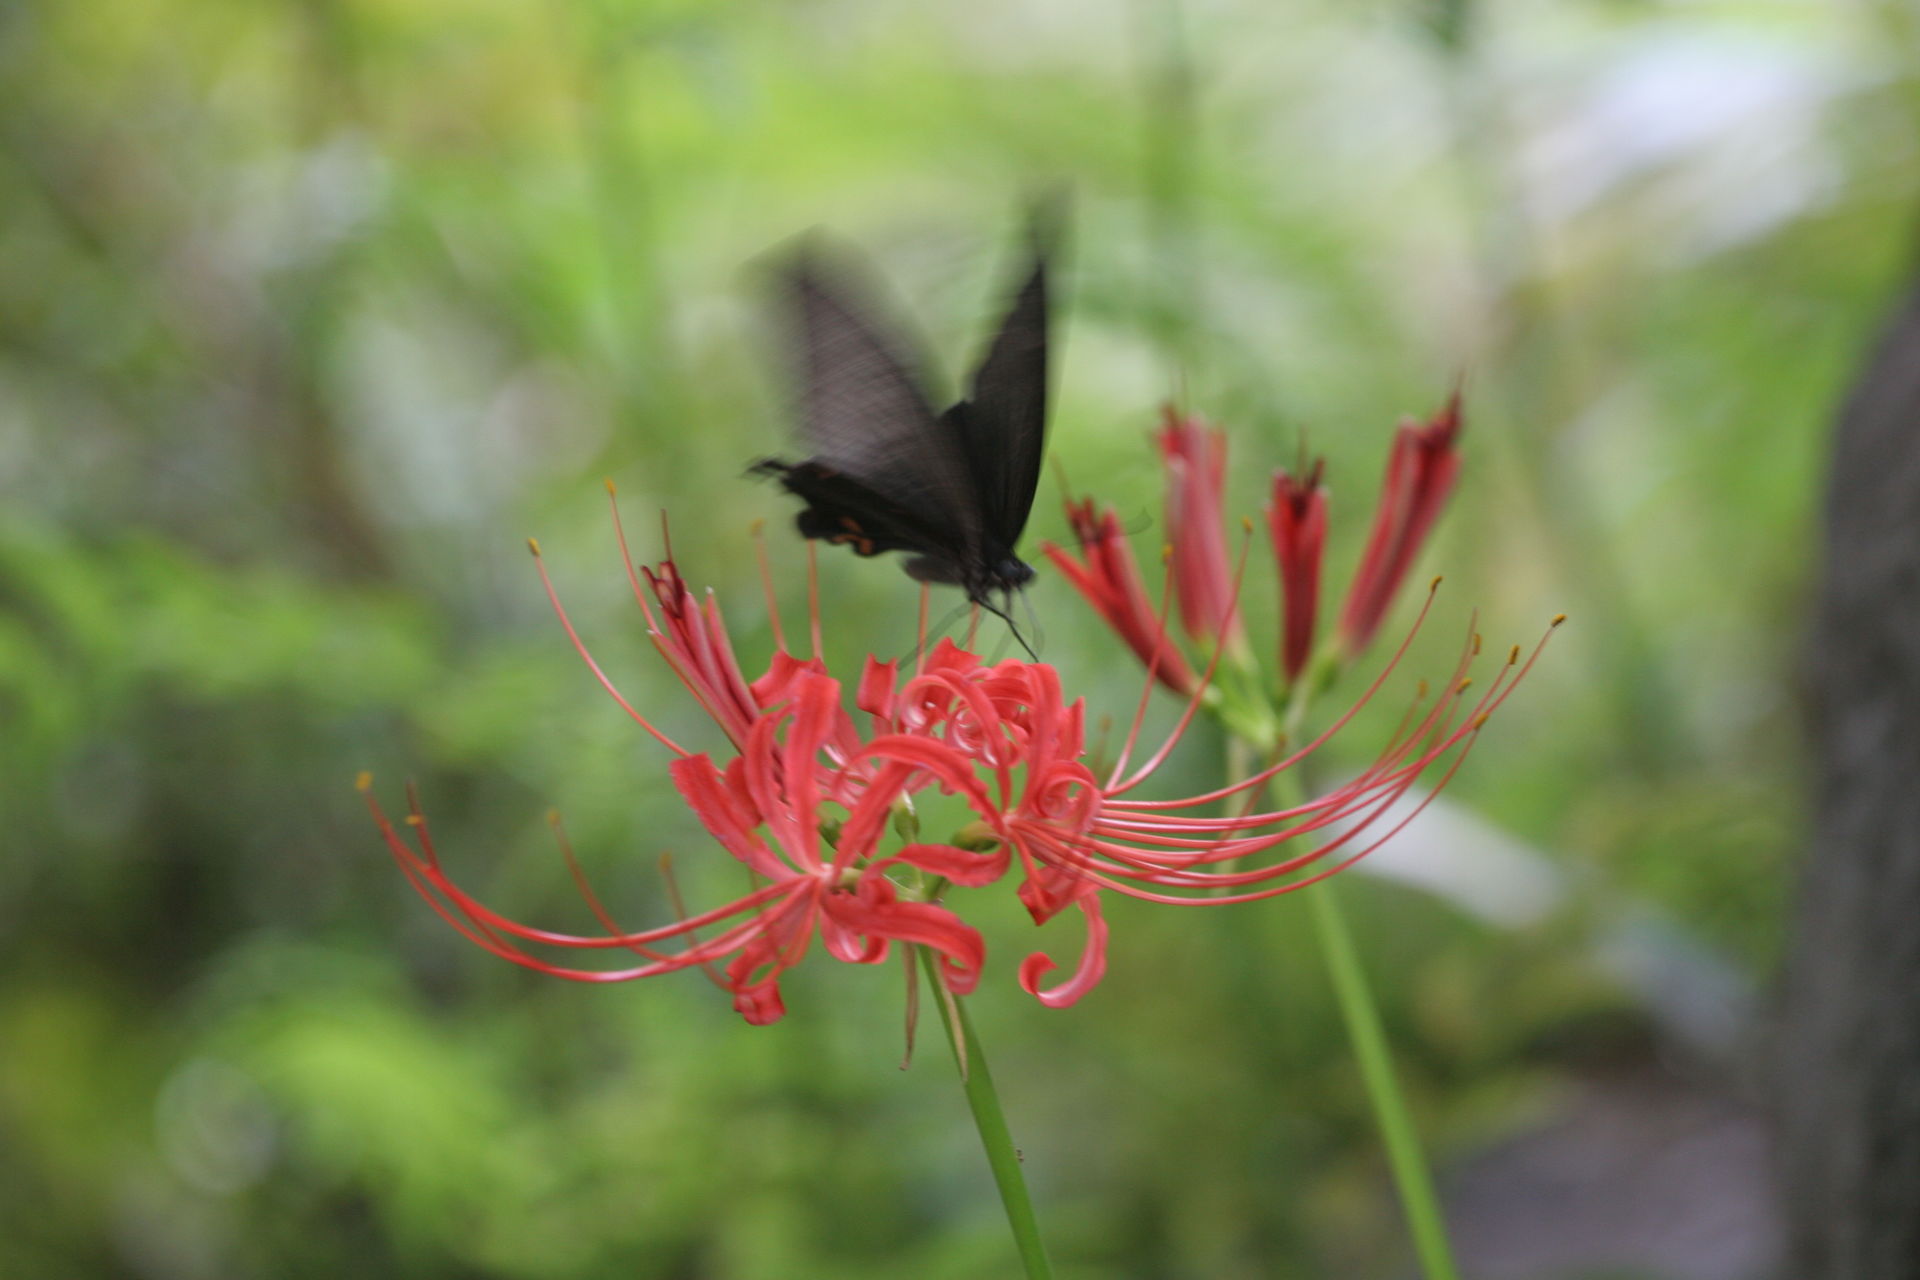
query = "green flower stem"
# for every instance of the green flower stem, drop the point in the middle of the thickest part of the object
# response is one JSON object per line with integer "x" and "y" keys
{"x": 1405, "y": 1157}
{"x": 1362, "y": 1017}
{"x": 1002, "y": 1156}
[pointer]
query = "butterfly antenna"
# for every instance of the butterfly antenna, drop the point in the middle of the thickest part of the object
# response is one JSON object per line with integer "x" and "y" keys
{"x": 1012, "y": 626}
{"x": 1000, "y": 650}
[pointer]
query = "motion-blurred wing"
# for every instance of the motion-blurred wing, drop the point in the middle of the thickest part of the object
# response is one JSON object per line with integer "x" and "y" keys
{"x": 1003, "y": 423}
{"x": 874, "y": 437}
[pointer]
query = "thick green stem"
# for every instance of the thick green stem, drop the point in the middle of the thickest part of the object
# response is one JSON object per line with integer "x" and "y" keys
{"x": 1404, "y": 1154}
{"x": 1002, "y": 1156}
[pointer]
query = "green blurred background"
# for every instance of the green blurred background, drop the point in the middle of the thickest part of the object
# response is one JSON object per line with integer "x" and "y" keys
{"x": 312, "y": 310}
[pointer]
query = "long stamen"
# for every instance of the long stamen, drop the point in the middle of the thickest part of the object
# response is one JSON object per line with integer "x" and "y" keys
{"x": 679, "y": 905}
{"x": 1153, "y": 670}
{"x": 579, "y": 646}
{"x": 1206, "y": 678}
{"x": 484, "y": 927}
{"x": 1369, "y": 797}
{"x": 813, "y": 598}
{"x": 626, "y": 559}
{"x": 585, "y": 886}
{"x": 1273, "y": 770}
{"x": 920, "y": 662}
{"x": 758, "y": 532}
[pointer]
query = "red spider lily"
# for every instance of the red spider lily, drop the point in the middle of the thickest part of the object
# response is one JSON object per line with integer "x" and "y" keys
{"x": 776, "y": 784}
{"x": 797, "y": 749}
{"x": 1421, "y": 470}
{"x": 1076, "y": 834}
{"x": 1003, "y": 739}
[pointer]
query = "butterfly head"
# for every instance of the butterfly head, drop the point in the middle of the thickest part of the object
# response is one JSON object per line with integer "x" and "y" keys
{"x": 1010, "y": 574}
{"x": 995, "y": 576}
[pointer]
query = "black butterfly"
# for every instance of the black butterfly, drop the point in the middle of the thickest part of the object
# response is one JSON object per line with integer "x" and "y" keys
{"x": 887, "y": 472}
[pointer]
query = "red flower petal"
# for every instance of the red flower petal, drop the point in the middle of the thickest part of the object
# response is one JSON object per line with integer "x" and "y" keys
{"x": 1092, "y": 967}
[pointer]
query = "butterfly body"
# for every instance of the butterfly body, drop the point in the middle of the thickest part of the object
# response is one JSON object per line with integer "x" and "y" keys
{"x": 887, "y": 473}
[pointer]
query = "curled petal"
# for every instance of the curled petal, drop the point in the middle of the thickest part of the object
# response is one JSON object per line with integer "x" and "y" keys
{"x": 1049, "y": 888}
{"x": 875, "y": 692}
{"x": 874, "y": 912}
{"x": 953, "y": 769}
{"x": 772, "y": 687}
{"x": 760, "y": 1004}
{"x": 754, "y": 975}
{"x": 843, "y": 943}
{"x": 964, "y": 867}
{"x": 948, "y": 656}
{"x": 1092, "y": 967}
{"x": 1065, "y": 795}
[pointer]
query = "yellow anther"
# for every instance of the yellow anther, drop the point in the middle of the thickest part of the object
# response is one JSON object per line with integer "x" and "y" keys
{"x": 415, "y": 820}
{"x": 1166, "y": 552}
{"x": 1246, "y": 524}
{"x": 1513, "y": 655}
{"x": 553, "y": 817}
{"x": 757, "y": 528}
{"x": 1421, "y": 692}
{"x": 533, "y": 545}
{"x": 1435, "y": 584}
{"x": 610, "y": 489}
{"x": 1480, "y": 722}
{"x": 1463, "y": 686}
{"x": 1558, "y": 618}
{"x": 1476, "y": 644}
{"x": 363, "y": 781}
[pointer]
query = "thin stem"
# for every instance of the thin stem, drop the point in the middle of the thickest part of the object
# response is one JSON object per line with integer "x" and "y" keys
{"x": 1405, "y": 1156}
{"x": 1360, "y": 1013}
{"x": 1002, "y": 1156}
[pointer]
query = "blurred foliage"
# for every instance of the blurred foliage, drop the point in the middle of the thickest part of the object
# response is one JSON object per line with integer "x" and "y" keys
{"x": 310, "y": 311}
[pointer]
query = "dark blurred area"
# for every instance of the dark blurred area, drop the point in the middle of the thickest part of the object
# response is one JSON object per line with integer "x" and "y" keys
{"x": 311, "y": 311}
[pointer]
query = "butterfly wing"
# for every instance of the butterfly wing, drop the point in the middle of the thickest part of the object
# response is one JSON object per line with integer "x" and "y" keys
{"x": 1003, "y": 423}
{"x": 885, "y": 471}
{"x": 849, "y": 512}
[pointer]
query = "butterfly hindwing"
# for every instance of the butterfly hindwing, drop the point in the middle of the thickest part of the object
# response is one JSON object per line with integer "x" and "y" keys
{"x": 848, "y": 512}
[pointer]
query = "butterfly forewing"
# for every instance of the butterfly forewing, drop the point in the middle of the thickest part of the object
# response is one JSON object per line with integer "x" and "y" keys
{"x": 1003, "y": 424}
{"x": 867, "y": 420}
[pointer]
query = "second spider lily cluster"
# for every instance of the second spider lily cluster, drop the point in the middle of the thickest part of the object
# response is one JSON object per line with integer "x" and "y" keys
{"x": 1421, "y": 470}
{"x": 815, "y": 791}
